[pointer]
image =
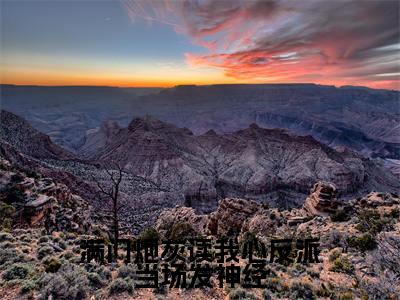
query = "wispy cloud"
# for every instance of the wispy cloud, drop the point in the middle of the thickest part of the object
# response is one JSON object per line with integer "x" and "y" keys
{"x": 337, "y": 42}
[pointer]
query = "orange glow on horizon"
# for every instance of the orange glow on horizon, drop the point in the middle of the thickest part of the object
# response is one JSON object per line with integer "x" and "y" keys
{"x": 165, "y": 79}
{"x": 89, "y": 82}
{"x": 165, "y": 84}
{"x": 45, "y": 78}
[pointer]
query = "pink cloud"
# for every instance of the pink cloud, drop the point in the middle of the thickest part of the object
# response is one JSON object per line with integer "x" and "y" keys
{"x": 336, "y": 42}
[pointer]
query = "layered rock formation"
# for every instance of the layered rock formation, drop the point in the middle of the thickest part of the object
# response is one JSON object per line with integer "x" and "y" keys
{"x": 267, "y": 165}
{"x": 99, "y": 137}
{"x": 322, "y": 199}
{"x": 236, "y": 217}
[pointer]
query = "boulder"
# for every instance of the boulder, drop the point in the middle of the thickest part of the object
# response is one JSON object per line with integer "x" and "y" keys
{"x": 264, "y": 222}
{"x": 230, "y": 216}
{"x": 322, "y": 199}
{"x": 180, "y": 214}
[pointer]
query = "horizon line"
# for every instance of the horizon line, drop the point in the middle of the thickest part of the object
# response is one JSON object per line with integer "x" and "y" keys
{"x": 196, "y": 85}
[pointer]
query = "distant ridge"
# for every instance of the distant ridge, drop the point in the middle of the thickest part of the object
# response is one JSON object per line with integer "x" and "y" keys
{"x": 20, "y": 134}
{"x": 362, "y": 119}
{"x": 300, "y": 84}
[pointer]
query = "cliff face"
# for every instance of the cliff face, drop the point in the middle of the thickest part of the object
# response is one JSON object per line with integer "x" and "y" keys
{"x": 41, "y": 201}
{"x": 99, "y": 138}
{"x": 20, "y": 134}
{"x": 25, "y": 147}
{"x": 261, "y": 164}
{"x": 234, "y": 216}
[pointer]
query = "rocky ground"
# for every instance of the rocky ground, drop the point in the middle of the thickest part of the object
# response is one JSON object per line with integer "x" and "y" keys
{"x": 359, "y": 243}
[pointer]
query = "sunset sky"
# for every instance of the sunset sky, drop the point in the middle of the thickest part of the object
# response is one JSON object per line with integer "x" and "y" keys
{"x": 166, "y": 43}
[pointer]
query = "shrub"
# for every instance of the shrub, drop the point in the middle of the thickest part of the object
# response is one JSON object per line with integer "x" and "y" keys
{"x": 384, "y": 263}
{"x": 44, "y": 239}
{"x": 313, "y": 274}
{"x": 345, "y": 296}
{"x": 25, "y": 238}
{"x": 76, "y": 249}
{"x": 335, "y": 239}
{"x": 100, "y": 232}
{"x": 31, "y": 173}
{"x": 274, "y": 284}
{"x": 45, "y": 251}
{"x": 127, "y": 271}
{"x": 71, "y": 236}
{"x": 6, "y": 237}
{"x": 17, "y": 271}
{"x": 10, "y": 256}
{"x": 51, "y": 264}
{"x": 104, "y": 272}
{"x": 62, "y": 244}
{"x": 342, "y": 265}
{"x": 28, "y": 285}
{"x": 59, "y": 242}
{"x": 120, "y": 285}
{"x": 16, "y": 178}
{"x": 371, "y": 221}
{"x": 6, "y": 245}
{"x": 181, "y": 231}
{"x": 301, "y": 290}
{"x": 395, "y": 213}
{"x": 95, "y": 280}
{"x": 14, "y": 195}
{"x": 149, "y": 234}
{"x": 364, "y": 242}
{"x": 101, "y": 270}
{"x": 340, "y": 215}
{"x": 334, "y": 255}
{"x": 323, "y": 292}
{"x": 241, "y": 294}
{"x": 20, "y": 231}
{"x": 6, "y": 211}
{"x": 69, "y": 283}
{"x": 67, "y": 255}
{"x": 6, "y": 224}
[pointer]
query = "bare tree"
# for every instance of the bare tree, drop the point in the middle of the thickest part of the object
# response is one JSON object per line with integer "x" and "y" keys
{"x": 111, "y": 193}
{"x": 199, "y": 191}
